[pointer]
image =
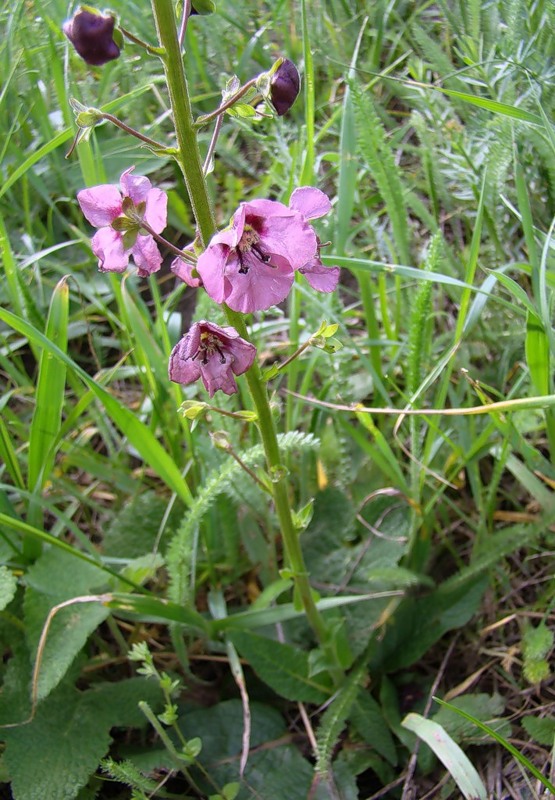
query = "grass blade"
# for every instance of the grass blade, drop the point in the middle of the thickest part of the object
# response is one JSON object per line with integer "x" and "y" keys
{"x": 449, "y": 753}
{"x": 138, "y": 434}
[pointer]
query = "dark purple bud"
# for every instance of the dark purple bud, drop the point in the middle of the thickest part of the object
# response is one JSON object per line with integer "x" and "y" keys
{"x": 284, "y": 86}
{"x": 92, "y": 35}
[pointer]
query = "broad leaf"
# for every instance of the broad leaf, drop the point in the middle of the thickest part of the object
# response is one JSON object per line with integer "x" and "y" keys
{"x": 284, "y": 668}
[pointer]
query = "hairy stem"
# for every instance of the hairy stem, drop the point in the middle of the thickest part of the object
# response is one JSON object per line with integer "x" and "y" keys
{"x": 189, "y": 160}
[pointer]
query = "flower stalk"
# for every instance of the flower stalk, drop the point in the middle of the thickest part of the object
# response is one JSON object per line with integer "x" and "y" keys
{"x": 189, "y": 160}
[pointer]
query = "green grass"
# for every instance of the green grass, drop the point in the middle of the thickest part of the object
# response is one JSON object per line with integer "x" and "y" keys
{"x": 432, "y": 133}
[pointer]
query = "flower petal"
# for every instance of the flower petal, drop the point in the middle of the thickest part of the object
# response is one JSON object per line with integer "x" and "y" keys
{"x": 321, "y": 278}
{"x": 107, "y": 245}
{"x": 211, "y": 268}
{"x": 259, "y": 288}
{"x": 289, "y": 237}
{"x": 136, "y": 187}
{"x": 181, "y": 370}
{"x": 156, "y": 213}
{"x": 184, "y": 271}
{"x": 101, "y": 204}
{"x": 310, "y": 202}
{"x": 216, "y": 374}
{"x": 146, "y": 255}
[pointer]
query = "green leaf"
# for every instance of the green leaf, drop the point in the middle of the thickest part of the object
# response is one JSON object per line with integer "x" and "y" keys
{"x": 522, "y": 759}
{"x": 139, "y": 435}
{"x": 537, "y": 642}
{"x": 496, "y": 107}
{"x": 369, "y": 722}
{"x": 537, "y": 353}
{"x": 67, "y": 738}
{"x": 484, "y": 707}
{"x": 420, "y": 622}
{"x": 69, "y": 735}
{"x": 134, "y": 529}
{"x": 334, "y": 719}
{"x": 8, "y": 586}
{"x": 272, "y": 771}
{"x": 541, "y": 731}
{"x": 54, "y": 578}
{"x": 284, "y": 668}
{"x": 450, "y": 754}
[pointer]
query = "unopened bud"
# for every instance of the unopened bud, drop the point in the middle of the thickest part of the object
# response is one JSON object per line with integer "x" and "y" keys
{"x": 284, "y": 86}
{"x": 203, "y": 7}
{"x": 92, "y": 35}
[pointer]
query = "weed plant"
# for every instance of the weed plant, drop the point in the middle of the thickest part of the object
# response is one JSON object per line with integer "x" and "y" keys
{"x": 185, "y": 611}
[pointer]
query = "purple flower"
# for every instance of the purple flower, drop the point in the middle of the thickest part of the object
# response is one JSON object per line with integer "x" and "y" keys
{"x": 311, "y": 203}
{"x": 284, "y": 86}
{"x": 251, "y": 265}
{"x": 120, "y": 217}
{"x": 92, "y": 35}
{"x": 213, "y": 354}
{"x": 186, "y": 271}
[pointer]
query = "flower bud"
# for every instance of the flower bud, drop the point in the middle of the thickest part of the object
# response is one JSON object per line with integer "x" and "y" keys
{"x": 284, "y": 85}
{"x": 203, "y": 7}
{"x": 92, "y": 35}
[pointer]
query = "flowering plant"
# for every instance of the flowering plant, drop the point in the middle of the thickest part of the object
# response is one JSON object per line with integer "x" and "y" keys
{"x": 127, "y": 222}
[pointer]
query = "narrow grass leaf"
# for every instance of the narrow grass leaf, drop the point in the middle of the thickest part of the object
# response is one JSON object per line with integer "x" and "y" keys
{"x": 537, "y": 353}
{"x": 449, "y": 753}
{"x": 9, "y": 456}
{"x": 246, "y": 620}
{"x": 520, "y": 757}
{"x": 138, "y": 434}
{"x": 28, "y": 531}
{"x": 155, "y": 609}
{"x": 495, "y": 106}
{"x": 347, "y": 158}
{"x": 49, "y": 396}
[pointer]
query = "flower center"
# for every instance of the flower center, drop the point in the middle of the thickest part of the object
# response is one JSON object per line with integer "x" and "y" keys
{"x": 209, "y": 345}
{"x": 248, "y": 246}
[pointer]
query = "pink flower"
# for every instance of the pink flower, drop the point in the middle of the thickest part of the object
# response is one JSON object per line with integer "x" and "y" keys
{"x": 213, "y": 354}
{"x": 251, "y": 265}
{"x": 186, "y": 271}
{"x": 120, "y": 218}
{"x": 311, "y": 203}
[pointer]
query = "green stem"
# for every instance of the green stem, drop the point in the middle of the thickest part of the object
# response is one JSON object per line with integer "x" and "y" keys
{"x": 222, "y": 108}
{"x": 190, "y": 163}
{"x": 188, "y": 155}
{"x": 290, "y": 536}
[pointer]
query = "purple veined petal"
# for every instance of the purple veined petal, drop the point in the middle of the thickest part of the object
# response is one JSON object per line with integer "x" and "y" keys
{"x": 211, "y": 268}
{"x": 310, "y": 202}
{"x": 107, "y": 245}
{"x": 146, "y": 255}
{"x": 136, "y": 187}
{"x": 212, "y": 353}
{"x": 259, "y": 288}
{"x": 217, "y": 374}
{"x": 266, "y": 208}
{"x": 184, "y": 271}
{"x": 181, "y": 370}
{"x": 243, "y": 356}
{"x": 101, "y": 205}
{"x": 321, "y": 278}
{"x": 156, "y": 212}
{"x": 290, "y": 237}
